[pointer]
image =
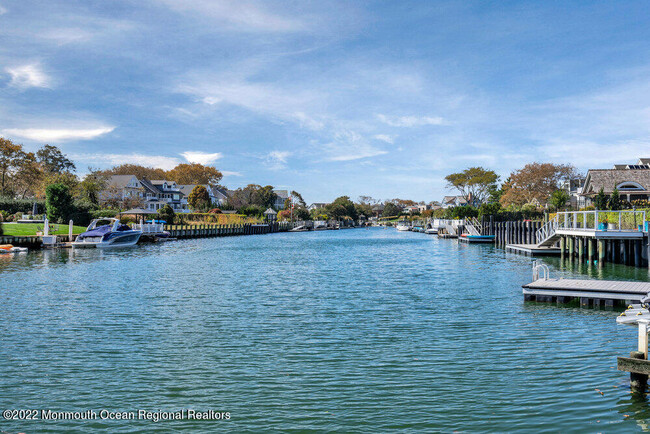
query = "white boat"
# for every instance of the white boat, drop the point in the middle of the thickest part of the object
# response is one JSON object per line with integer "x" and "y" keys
{"x": 10, "y": 248}
{"x": 107, "y": 233}
{"x": 431, "y": 231}
{"x": 403, "y": 227}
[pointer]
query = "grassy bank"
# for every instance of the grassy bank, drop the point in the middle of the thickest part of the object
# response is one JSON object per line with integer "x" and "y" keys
{"x": 30, "y": 229}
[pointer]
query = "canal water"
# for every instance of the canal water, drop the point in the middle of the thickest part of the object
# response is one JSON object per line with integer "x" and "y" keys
{"x": 365, "y": 330}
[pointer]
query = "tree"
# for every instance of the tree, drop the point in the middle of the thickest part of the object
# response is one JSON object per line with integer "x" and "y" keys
{"x": 199, "y": 198}
{"x": 297, "y": 198}
{"x": 342, "y": 207}
{"x": 473, "y": 183}
{"x": 600, "y": 200}
{"x": 559, "y": 198}
{"x": 167, "y": 214}
{"x": 614, "y": 202}
{"x": 27, "y": 177}
{"x": 535, "y": 182}
{"x": 10, "y": 155}
{"x": 58, "y": 202}
{"x": 391, "y": 210}
{"x": 138, "y": 171}
{"x": 265, "y": 196}
{"x": 53, "y": 160}
{"x": 195, "y": 173}
{"x": 92, "y": 185}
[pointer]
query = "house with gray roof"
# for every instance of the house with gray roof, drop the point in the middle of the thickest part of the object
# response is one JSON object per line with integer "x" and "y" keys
{"x": 631, "y": 180}
{"x": 120, "y": 188}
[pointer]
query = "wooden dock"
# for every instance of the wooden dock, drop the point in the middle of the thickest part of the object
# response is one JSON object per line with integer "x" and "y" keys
{"x": 588, "y": 291}
{"x": 532, "y": 250}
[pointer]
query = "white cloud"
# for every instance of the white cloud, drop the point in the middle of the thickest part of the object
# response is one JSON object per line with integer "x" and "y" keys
{"x": 410, "y": 121}
{"x": 102, "y": 159}
{"x": 277, "y": 160}
{"x": 31, "y": 75}
{"x": 350, "y": 145}
{"x": 3, "y": 10}
{"x": 237, "y": 15}
{"x": 57, "y": 135}
{"x": 201, "y": 157}
{"x": 385, "y": 138}
{"x": 230, "y": 173}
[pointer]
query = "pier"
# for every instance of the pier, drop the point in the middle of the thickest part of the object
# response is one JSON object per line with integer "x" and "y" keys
{"x": 589, "y": 292}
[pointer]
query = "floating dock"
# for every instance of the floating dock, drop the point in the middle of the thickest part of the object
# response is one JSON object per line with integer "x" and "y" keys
{"x": 588, "y": 291}
{"x": 476, "y": 238}
{"x": 532, "y": 250}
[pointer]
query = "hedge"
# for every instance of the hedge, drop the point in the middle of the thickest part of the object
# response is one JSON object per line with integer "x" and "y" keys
{"x": 12, "y": 206}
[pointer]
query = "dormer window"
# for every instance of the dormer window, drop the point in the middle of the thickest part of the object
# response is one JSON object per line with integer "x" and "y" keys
{"x": 630, "y": 186}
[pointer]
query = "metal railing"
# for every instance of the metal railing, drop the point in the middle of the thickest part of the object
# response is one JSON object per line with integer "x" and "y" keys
{"x": 149, "y": 228}
{"x": 545, "y": 272}
{"x": 547, "y": 231}
{"x": 473, "y": 226}
{"x": 629, "y": 221}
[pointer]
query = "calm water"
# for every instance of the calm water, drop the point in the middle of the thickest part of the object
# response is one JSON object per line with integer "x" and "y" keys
{"x": 356, "y": 330}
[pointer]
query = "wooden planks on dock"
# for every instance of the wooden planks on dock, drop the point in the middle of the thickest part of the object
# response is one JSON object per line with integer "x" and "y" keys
{"x": 592, "y": 289}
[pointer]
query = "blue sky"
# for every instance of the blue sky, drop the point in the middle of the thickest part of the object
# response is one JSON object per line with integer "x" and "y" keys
{"x": 328, "y": 98}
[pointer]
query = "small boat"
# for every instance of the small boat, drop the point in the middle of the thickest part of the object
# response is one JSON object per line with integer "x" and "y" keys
{"x": 417, "y": 229}
{"x": 430, "y": 229}
{"x": 112, "y": 234}
{"x": 301, "y": 228}
{"x": 403, "y": 227}
{"x": 10, "y": 248}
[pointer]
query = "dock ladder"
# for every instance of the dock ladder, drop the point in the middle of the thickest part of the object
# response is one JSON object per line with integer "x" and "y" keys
{"x": 543, "y": 268}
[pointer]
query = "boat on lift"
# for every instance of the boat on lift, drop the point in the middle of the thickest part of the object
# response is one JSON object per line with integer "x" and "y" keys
{"x": 107, "y": 233}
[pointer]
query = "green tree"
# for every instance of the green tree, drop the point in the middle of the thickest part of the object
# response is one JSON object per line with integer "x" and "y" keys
{"x": 559, "y": 198}
{"x": 53, "y": 160}
{"x": 265, "y": 196}
{"x": 92, "y": 185}
{"x": 342, "y": 207}
{"x": 391, "y": 210}
{"x": 10, "y": 157}
{"x": 58, "y": 202}
{"x": 614, "y": 202}
{"x": 167, "y": 214}
{"x": 199, "y": 198}
{"x": 600, "y": 200}
{"x": 473, "y": 183}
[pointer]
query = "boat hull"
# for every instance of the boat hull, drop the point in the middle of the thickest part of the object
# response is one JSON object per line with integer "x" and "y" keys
{"x": 114, "y": 240}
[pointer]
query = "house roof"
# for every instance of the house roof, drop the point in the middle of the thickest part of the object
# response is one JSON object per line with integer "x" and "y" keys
{"x": 270, "y": 211}
{"x": 149, "y": 186}
{"x": 608, "y": 179}
{"x": 120, "y": 181}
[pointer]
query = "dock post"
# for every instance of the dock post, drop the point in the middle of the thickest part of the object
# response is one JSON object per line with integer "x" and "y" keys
{"x": 581, "y": 248}
{"x": 623, "y": 250}
{"x": 637, "y": 253}
{"x": 562, "y": 246}
{"x": 590, "y": 251}
{"x": 571, "y": 248}
{"x": 638, "y": 382}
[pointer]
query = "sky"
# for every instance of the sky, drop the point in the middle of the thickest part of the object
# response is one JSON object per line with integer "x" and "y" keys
{"x": 329, "y": 98}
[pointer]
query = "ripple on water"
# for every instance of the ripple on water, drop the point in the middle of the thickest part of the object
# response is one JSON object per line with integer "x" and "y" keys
{"x": 365, "y": 330}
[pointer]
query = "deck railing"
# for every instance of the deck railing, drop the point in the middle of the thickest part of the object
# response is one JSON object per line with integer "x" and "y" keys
{"x": 149, "y": 228}
{"x": 548, "y": 230}
{"x": 601, "y": 220}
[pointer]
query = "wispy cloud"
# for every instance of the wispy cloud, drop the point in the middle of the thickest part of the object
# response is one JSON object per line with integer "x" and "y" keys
{"x": 3, "y": 10}
{"x": 30, "y": 75}
{"x": 109, "y": 159}
{"x": 201, "y": 157}
{"x": 410, "y": 121}
{"x": 277, "y": 160}
{"x": 238, "y": 15}
{"x": 350, "y": 145}
{"x": 385, "y": 138}
{"x": 57, "y": 135}
{"x": 230, "y": 173}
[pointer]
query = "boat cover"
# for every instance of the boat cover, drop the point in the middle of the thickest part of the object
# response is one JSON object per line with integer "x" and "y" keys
{"x": 97, "y": 232}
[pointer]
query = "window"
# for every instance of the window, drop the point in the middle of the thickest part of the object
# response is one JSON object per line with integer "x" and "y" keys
{"x": 630, "y": 185}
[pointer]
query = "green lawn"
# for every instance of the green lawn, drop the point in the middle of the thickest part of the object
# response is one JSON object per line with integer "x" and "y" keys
{"x": 30, "y": 229}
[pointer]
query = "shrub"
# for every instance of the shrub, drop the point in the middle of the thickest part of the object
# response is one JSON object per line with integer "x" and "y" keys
{"x": 58, "y": 203}
{"x": 100, "y": 213}
{"x": 12, "y": 206}
{"x": 167, "y": 214}
{"x": 252, "y": 211}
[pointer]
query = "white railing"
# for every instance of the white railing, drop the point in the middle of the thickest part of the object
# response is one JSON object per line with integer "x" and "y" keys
{"x": 149, "y": 228}
{"x": 547, "y": 231}
{"x": 628, "y": 221}
{"x": 474, "y": 226}
{"x": 545, "y": 272}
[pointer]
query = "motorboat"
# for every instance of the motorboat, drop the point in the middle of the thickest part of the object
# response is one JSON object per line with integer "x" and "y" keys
{"x": 107, "y": 233}
{"x": 431, "y": 230}
{"x": 10, "y": 248}
{"x": 402, "y": 226}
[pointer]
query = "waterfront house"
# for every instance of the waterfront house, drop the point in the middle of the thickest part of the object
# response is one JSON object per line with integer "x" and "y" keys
{"x": 317, "y": 205}
{"x": 281, "y": 197}
{"x": 218, "y": 196}
{"x": 159, "y": 193}
{"x": 631, "y": 180}
{"x": 120, "y": 188}
{"x": 451, "y": 201}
